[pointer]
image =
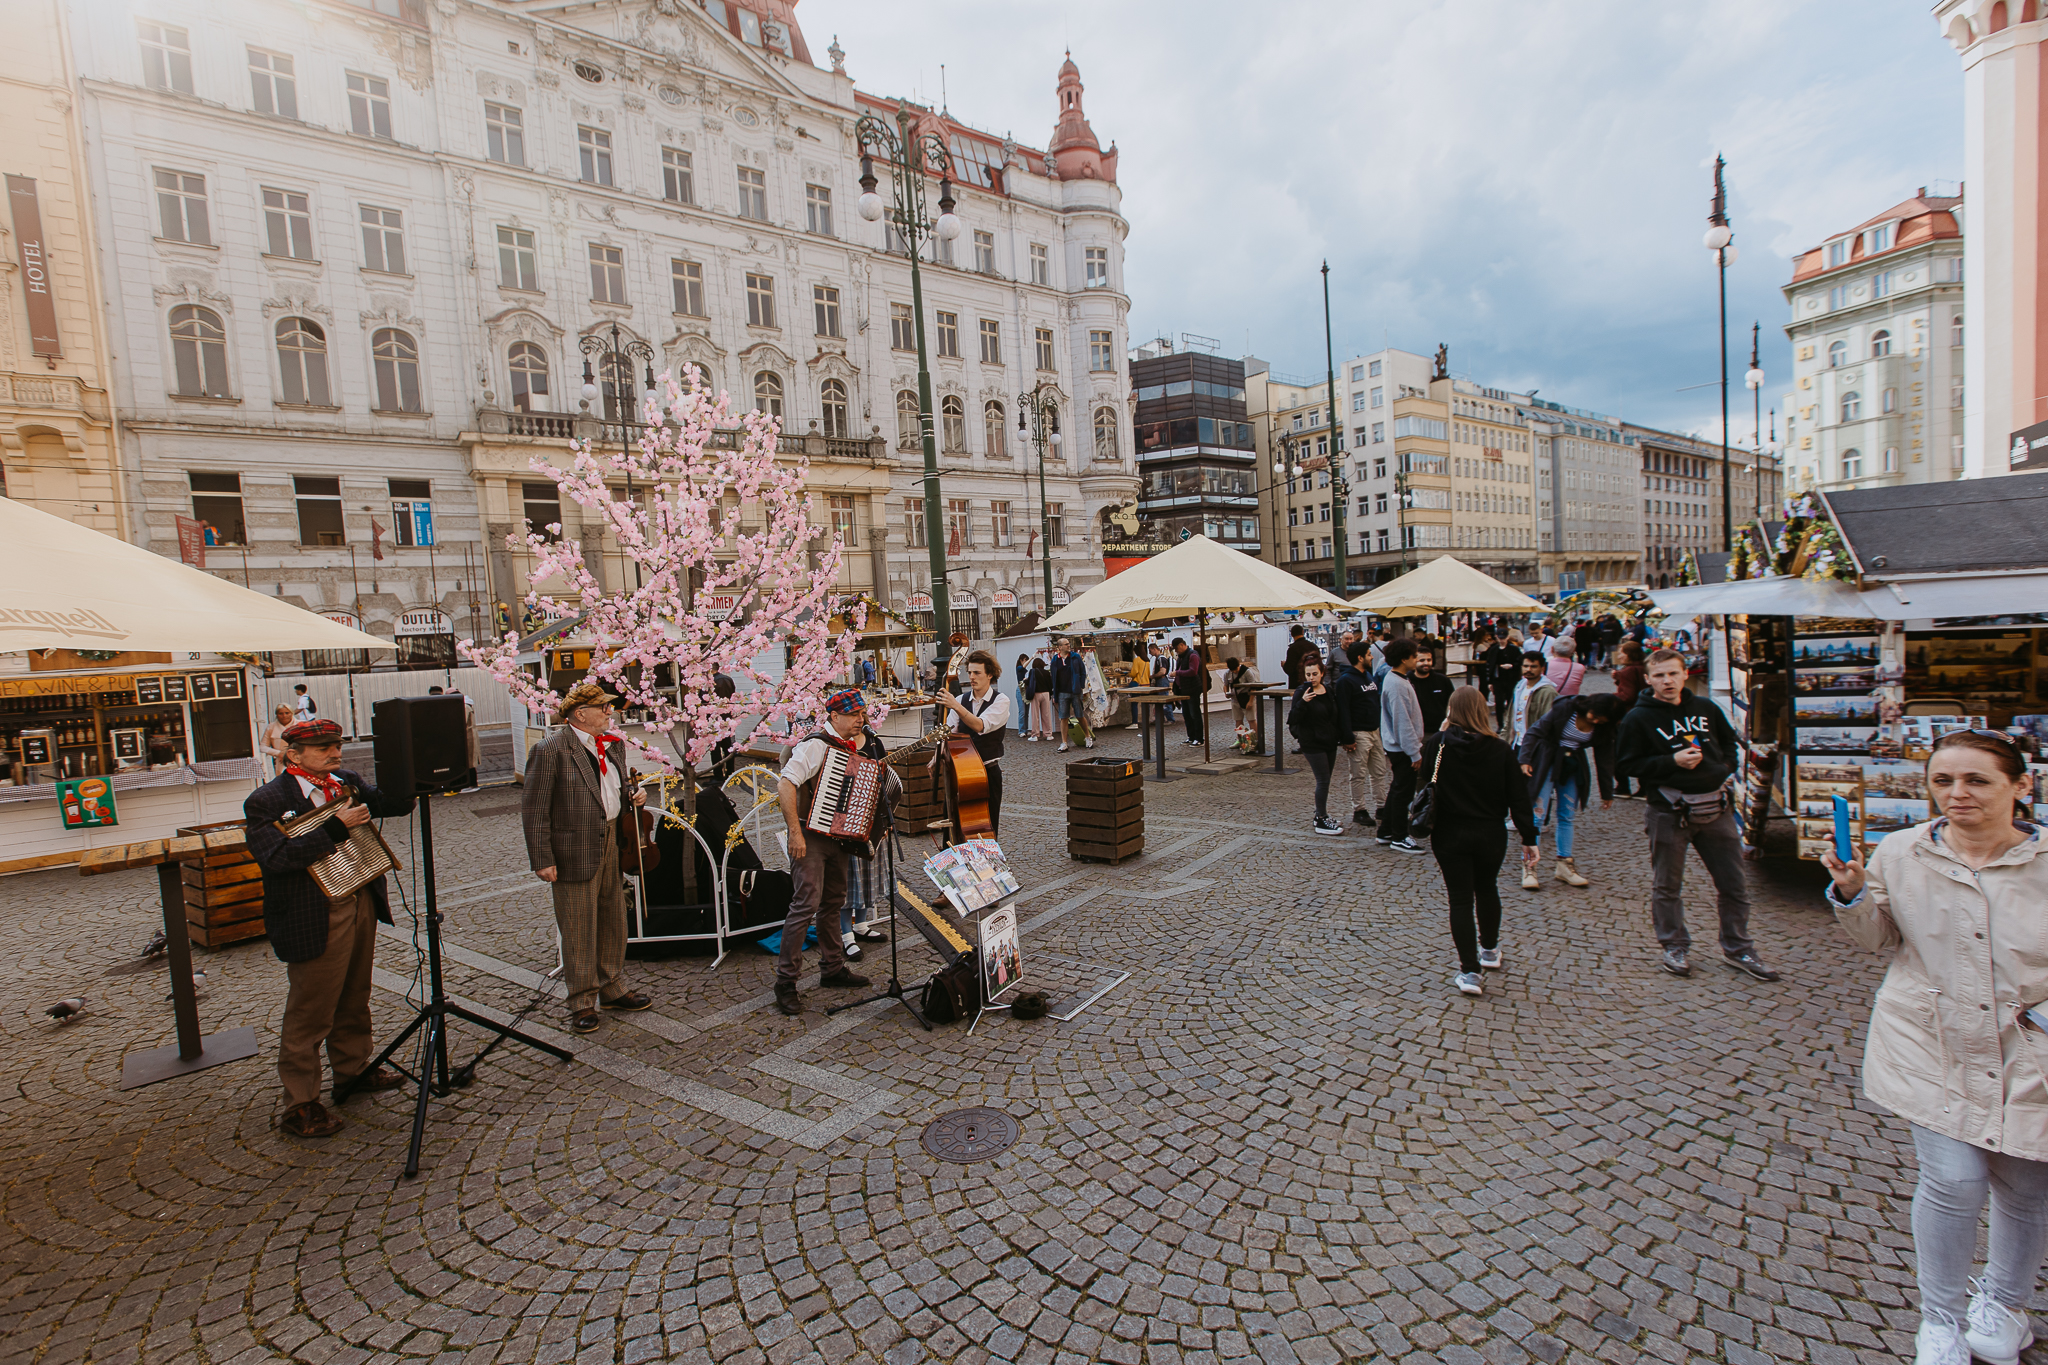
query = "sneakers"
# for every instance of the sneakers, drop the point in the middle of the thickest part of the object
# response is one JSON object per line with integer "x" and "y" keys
{"x": 1751, "y": 965}
{"x": 1063, "y": 746}
{"x": 1489, "y": 958}
{"x": 1469, "y": 983}
{"x": 1941, "y": 1341}
{"x": 1406, "y": 846}
{"x": 1996, "y": 1333}
{"x": 1530, "y": 881}
{"x": 1568, "y": 873}
{"x": 1325, "y": 825}
{"x": 1090, "y": 741}
{"x": 1362, "y": 817}
{"x": 1674, "y": 962}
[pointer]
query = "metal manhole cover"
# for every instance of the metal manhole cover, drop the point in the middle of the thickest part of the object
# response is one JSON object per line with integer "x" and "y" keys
{"x": 963, "y": 1135}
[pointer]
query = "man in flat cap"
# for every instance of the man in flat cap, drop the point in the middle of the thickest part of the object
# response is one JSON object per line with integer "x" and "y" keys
{"x": 817, "y": 865}
{"x": 575, "y": 789}
{"x": 328, "y": 946}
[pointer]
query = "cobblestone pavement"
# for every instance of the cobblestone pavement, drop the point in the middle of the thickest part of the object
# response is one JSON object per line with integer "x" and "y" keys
{"x": 1284, "y": 1138}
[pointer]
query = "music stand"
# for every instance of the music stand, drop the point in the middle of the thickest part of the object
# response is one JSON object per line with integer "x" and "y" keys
{"x": 434, "y": 1075}
{"x": 894, "y": 990}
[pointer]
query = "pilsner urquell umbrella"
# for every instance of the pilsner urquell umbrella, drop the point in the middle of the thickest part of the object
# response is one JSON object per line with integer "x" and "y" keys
{"x": 1194, "y": 578}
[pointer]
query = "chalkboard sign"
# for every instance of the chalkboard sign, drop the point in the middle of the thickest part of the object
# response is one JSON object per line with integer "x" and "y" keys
{"x": 227, "y": 685}
{"x": 202, "y": 686}
{"x": 35, "y": 749}
{"x": 127, "y": 745}
{"x": 149, "y": 691}
{"x": 174, "y": 689}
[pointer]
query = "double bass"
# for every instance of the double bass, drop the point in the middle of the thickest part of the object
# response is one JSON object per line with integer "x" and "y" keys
{"x": 964, "y": 774}
{"x": 635, "y": 827}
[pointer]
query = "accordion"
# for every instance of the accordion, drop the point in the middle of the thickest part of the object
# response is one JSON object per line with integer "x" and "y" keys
{"x": 357, "y": 861}
{"x": 848, "y": 797}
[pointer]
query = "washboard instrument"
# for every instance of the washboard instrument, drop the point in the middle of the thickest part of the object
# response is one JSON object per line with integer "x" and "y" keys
{"x": 357, "y": 861}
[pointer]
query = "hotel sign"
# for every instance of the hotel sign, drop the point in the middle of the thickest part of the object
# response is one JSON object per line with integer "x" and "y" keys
{"x": 35, "y": 266}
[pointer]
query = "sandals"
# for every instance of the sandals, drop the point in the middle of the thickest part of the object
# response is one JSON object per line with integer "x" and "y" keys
{"x": 309, "y": 1120}
{"x": 870, "y": 935}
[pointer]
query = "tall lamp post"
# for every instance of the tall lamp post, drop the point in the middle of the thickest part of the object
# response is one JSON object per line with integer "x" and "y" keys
{"x": 1719, "y": 235}
{"x": 1754, "y": 381}
{"x": 615, "y": 356}
{"x": 912, "y": 156}
{"x": 1043, "y": 403}
{"x": 1339, "y": 487}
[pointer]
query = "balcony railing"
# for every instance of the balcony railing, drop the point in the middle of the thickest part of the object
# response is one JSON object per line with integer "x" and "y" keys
{"x": 613, "y": 435}
{"x": 56, "y": 392}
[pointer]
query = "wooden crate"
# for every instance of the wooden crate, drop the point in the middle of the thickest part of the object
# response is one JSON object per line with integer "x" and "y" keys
{"x": 223, "y": 890}
{"x": 1093, "y": 852}
{"x": 1100, "y": 824}
{"x": 1105, "y": 810}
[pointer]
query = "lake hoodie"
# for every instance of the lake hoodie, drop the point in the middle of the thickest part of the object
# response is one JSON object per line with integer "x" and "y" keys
{"x": 1652, "y": 731}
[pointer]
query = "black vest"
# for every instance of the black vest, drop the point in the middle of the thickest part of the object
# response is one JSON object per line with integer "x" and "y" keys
{"x": 988, "y": 743}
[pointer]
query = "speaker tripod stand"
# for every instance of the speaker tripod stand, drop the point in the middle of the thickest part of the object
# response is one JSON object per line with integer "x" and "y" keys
{"x": 431, "y": 1073}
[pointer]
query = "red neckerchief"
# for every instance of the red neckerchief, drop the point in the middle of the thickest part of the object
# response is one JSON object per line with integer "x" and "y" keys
{"x": 601, "y": 741}
{"x": 328, "y": 787}
{"x": 831, "y": 736}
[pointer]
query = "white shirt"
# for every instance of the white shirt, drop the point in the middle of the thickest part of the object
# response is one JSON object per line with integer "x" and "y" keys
{"x": 313, "y": 793}
{"x": 302, "y": 706}
{"x": 608, "y": 783}
{"x": 801, "y": 763}
{"x": 993, "y": 710}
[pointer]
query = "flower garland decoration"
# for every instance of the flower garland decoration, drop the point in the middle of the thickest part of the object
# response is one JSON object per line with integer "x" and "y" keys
{"x": 1829, "y": 558}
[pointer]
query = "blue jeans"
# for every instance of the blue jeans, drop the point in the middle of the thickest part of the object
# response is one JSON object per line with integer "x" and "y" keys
{"x": 1563, "y": 790}
{"x": 1955, "y": 1181}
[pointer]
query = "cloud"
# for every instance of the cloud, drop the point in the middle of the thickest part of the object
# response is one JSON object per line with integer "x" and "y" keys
{"x": 1526, "y": 180}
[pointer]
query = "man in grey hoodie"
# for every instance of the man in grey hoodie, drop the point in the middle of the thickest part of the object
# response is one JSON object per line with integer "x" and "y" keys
{"x": 1401, "y": 733}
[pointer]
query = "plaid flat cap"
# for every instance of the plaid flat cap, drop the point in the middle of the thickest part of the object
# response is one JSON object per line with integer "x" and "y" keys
{"x": 312, "y": 732}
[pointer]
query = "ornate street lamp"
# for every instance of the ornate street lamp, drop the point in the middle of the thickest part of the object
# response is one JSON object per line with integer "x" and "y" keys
{"x": 912, "y": 156}
{"x": 1043, "y": 403}
{"x": 1718, "y": 236}
{"x": 615, "y": 357}
{"x": 1339, "y": 488}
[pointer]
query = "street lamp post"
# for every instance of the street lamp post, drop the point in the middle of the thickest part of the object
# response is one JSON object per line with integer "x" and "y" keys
{"x": 1339, "y": 487}
{"x": 911, "y": 156}
{"x": 1754, "y": 380}
{"x": 615, "y": 356}
{"x": 1401, "y": 515}
{"x": 1717, "y": 240}
{"x": 1043, "y": 403}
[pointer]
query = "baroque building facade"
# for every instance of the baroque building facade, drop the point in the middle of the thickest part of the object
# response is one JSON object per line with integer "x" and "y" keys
{"x": 360, "y": 256}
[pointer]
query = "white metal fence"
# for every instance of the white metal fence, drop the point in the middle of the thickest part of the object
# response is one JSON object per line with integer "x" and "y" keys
{"x": 346, "y": 698}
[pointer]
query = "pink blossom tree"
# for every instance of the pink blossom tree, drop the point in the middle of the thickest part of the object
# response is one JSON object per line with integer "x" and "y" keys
{"x": 715, "y": 592}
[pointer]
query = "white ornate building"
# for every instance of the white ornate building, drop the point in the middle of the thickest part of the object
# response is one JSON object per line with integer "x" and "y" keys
{"x": 353, "y": 251}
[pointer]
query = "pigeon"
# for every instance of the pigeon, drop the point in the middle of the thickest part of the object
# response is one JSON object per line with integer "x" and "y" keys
{"x": 64, "y": 1011}
{"x": 156, "y": 946}
{"x": 198, "y": 986}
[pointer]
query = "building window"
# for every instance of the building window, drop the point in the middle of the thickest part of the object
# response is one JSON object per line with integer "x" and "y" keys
{"x": 1955, "y": 330}
{"x": 1890, "y": 401}
{"x": 1379, "y": 398}
{"x": 1891, "y": 459}
{"x": 1955, "y": 395}
{"x": 913, "y": 517}
{"x": 396, "y": 358}
{"x": 288, "y": 225}
{"x": 504, "y": 134}
{"x": 1096, "y": 259}
{"x": 760, "y": 300}
{"x": 959, "y": 523}
{"x": 945, "y": 250}
{"x": 181, "y": 207}
{"x": 843, "y": 518}
{"x": 272, "y": 87}
{"x": 594, "y": 156}
{"x": 1881, "y": 285}
{"x": 994, "y": 433}
{"x": 676, "y": 184}
{"x": 1852, "y": 406}
{"x": 1878, "y": 239}
{"x": 985, "y": 252}
{"x": 687, "y": 279}
{"x": 1041, "y": 265}
{"x": 412, "y": 511}
{"x": 1358, "y": 374}
{"x": 319, "y": 511}
{"x": 199, "y": 348}
{"x": 999, "y": 522}
{"x": 832, "y": 399}
{"x": 166, "y": 58}
{"x": 217, "y": 506}
{"x": 542, "y": 504}
{"x": 1838, "y": 253}
{"x": 1105, "y": 435}
{"x": 1838, "y": 355}
{"x": 1101, "y": 351}
{"x": 1880, "y": 344}
{"x": 768, "y": 393}
{"x": 383, "y": 240}
{"x": 825, "y": 309}
{"x": 529, "y": 375}
{"x": 517, "y": 268}
{"x": 1955, "y": 451}
{"x": 949, "y": 335}
{"x": 1852, "y": 464}
{"x": 302, "y": 362}
{"x": 369, "y": 107}
{"x": 902, "y": 328}
{"x": 909, "y": 428}
{"x": 753, "y": 194}
{"x": 991, "y": 342}
{"x": 818, "y": 209}
{"x": 953, "y": 424}
{"x": 1044, "y": 345}
{"x": 1056, "y": 526}
{"x": 607, "y": 273}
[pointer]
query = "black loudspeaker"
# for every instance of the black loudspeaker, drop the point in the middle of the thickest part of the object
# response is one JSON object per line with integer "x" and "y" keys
{"x": 421, "y": 744}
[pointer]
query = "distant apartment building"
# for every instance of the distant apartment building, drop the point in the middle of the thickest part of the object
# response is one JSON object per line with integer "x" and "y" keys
{"x": 1681, "y": 494}
{"x": 1197, "y": 461}
{"x": 1493, "y": 488}
{"x": 1588, "y": 496}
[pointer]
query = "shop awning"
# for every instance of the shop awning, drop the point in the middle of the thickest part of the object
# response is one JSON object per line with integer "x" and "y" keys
{"x": 1779, "y": 596}
{"x": 1946, "y": 597}
{"x": 2021, "y": 594}
{"x": 71, "y": 587}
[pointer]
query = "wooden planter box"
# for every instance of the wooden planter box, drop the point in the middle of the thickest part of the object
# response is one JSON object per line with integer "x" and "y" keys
{"x": 223, "y": 892}
{"x": 1105, "y": 810}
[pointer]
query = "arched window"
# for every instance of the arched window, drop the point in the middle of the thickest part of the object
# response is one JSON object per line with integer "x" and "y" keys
{"x": 199, "y": 346}
{"x": 832, "y": 398}
{"x": 1955, "y": 330}
{"x": 1105, "y": 434}
{"x": 529, "y": 375}
{"x": 1838, "y": 355}
{"x": 768, "y": 393}
{"x": 1852, "y": 464}
{"x": 1890, "y": 401}
{"x": 302, "y": 362}
{"x": 953, "y": 424}
{"x": 993, "y": 435}
{"x": 908, "y": 436}
{"x": 1880, "y": 344}
{"x": 1852, "y": 406}
{"x": 396, "y": 358}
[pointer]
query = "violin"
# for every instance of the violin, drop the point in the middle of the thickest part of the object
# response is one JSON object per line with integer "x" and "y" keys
{"x": 635, "y": 828}
{"x": 966, "y": 776}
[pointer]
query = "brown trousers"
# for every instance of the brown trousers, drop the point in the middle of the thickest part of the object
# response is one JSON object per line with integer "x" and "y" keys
{"x": 592, "y": 918}
{"x": 328, "y": 1001}
{"x": 816, "y": 897}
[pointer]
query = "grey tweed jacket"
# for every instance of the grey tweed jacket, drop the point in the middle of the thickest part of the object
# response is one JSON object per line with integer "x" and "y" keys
{"x": 560, "y": 807}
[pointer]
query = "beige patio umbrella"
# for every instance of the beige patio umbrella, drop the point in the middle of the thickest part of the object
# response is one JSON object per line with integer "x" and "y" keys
{"x": 1194, "y": 578}
{"x": 71, "y": 587}
{"x": 1446, "y": 583}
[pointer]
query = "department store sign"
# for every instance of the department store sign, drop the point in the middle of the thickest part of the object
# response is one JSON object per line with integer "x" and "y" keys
{"x": 2030, "y": 447}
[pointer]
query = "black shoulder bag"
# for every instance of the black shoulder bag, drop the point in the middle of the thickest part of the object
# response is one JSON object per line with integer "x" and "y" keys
{"x": 1422, "y": 810}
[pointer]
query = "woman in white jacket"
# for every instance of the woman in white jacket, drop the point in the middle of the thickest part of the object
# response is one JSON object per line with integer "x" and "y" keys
{"x": 1953, "y": 1049}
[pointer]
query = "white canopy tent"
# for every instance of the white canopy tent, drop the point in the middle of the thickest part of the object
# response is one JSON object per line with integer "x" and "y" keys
{"x": 1446, "y": 583}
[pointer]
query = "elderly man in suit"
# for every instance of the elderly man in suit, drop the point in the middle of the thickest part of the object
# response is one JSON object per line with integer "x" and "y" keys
{"x": 328, "y": 946}
{"x": 575, "y": 789}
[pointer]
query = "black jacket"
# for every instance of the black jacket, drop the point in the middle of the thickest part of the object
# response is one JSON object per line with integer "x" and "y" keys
{"x": 1041, "y": 680}
{"x": 294, "y": 910}
{"x": 1433, "y": 693}
{"x": 1069, "y": 676}
{"x": 1652, "y": 732}
{"x": 1297, "y": 650}
{"x": 1544, "y": 754}
{"x": 1479, "y": 782}
{"x": 1361, "y": 698}
{"x": 1320, "y": 724}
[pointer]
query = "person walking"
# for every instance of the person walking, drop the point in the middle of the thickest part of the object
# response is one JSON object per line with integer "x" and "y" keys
{"x": 1069, "y": 688}
{"x": 1365, "y": 760}
{"x": 1566, "y": 674}
{"x": 1401, "y": 733}
{"x": 1531, "y": 700}
{"x": 1584, "y": 637}
{"x": 1628, "y": 685}
{"x": 1321, "y": 725}
{"x": 1507, "y": 671}
{"x": 1957, "y": 902}
{"x": 1043, "y": 722}
{"x": 273, "y": 740}
{"x": 1024, "y": 694}
{"x": 1479, "y": 788}
{"x": 1432, "y": 689}
{"x": 1298, "y": 648}
{"x": 1190, "y": 683}
{"x": 1553, "y": 757}
{"x": 1607, "y": 635}
{"x": 1683, "y": 750}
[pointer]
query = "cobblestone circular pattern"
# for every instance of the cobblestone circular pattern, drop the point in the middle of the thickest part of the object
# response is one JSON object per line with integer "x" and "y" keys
{"x": 964, "y": 1135}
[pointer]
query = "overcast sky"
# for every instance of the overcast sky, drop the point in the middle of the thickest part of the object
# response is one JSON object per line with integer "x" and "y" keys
{"x": 1526, "y": 180}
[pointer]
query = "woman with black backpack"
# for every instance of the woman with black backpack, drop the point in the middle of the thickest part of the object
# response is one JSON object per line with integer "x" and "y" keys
{"x": 1320, "y": 724}
{"x": 1043, "y": 726}
{"x": 1473, "y": 786}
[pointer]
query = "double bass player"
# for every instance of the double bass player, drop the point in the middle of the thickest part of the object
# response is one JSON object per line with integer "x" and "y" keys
{"x": 984, "y": 715}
